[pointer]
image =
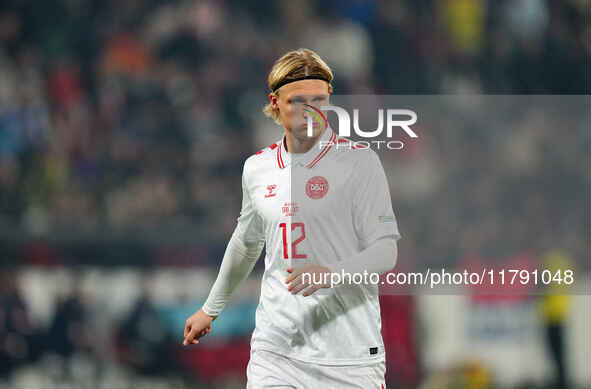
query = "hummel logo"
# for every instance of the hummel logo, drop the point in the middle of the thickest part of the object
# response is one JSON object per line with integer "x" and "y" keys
{"x": 271, "y": 188}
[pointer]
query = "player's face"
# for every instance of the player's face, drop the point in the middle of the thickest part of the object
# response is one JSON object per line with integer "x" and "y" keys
{"x": 293, "y": 105}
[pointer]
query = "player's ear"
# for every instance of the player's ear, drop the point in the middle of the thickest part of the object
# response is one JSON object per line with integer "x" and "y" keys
{"x": 273, "y": 100}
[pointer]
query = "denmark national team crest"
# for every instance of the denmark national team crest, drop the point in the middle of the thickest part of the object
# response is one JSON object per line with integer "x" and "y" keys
{"x": 316, "y": 187}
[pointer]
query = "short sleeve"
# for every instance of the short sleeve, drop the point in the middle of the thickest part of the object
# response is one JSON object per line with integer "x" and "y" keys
{"x": 372, "y": 206}
{"x": 250, "y": 226}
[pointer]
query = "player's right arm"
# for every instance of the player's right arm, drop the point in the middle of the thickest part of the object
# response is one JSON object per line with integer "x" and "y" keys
{"x": 242, "y": 252}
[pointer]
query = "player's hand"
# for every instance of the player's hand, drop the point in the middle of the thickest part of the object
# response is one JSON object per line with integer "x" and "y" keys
{"x": 196, "y": 326}
{"x": 296, "y": 282}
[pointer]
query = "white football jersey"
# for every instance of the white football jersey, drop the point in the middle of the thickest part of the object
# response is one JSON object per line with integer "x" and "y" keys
{"x": 320, "y": 207}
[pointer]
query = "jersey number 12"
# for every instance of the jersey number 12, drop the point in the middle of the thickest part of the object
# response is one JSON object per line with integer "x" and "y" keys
{"x": 294, "y": 253}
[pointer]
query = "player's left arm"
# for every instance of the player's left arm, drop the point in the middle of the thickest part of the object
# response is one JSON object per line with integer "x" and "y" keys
{"x": 375, "y": 225}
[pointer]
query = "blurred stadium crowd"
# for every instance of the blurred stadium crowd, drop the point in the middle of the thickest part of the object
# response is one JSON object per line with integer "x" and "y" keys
{"x": 124, "y": 125}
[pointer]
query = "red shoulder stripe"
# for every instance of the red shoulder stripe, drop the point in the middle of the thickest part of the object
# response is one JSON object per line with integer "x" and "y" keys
{"x": 279, "y": 158}
{"x": 272, "y": 147}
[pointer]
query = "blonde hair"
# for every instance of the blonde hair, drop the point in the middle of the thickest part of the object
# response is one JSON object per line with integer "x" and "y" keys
{"x": 292, "y": 65}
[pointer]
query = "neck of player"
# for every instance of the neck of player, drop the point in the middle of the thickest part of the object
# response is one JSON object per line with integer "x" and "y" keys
{"x": 300, "y": 146}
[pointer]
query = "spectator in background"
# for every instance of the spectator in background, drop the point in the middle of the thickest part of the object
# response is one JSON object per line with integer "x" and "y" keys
{"x": 142, "y": 339}
{"x": 555, "y": 309}
{"x": 68, "y": 332}
{"x": 16, "y": 335}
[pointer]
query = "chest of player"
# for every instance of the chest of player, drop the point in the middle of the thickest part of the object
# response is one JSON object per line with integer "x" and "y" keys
{"x": 302, "y": 194}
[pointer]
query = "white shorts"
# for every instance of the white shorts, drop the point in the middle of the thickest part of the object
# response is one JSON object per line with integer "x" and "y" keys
{"x": 269, "y": 370}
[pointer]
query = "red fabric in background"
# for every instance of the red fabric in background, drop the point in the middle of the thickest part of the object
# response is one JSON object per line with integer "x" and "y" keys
{"x": 398, "y": 331}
